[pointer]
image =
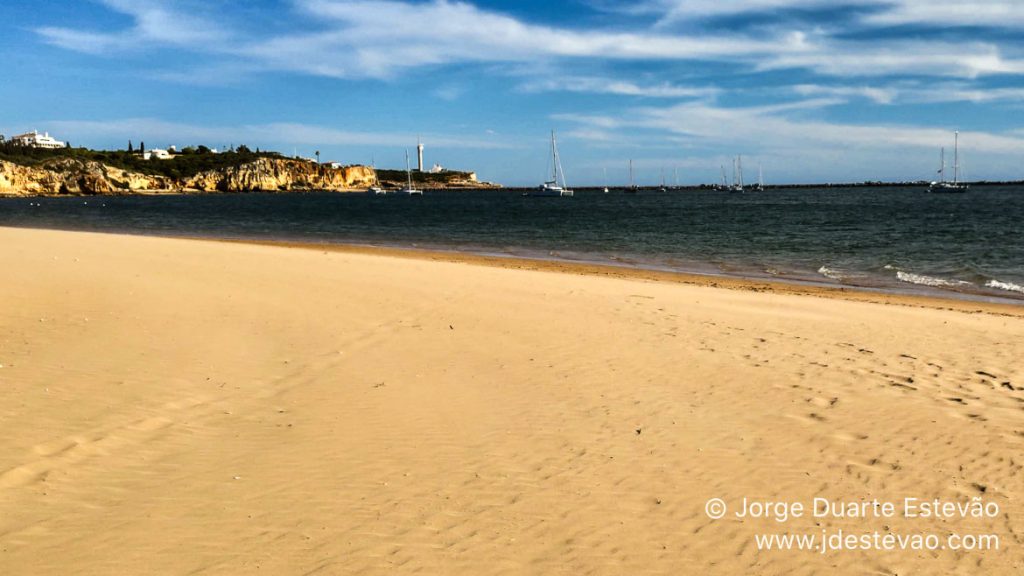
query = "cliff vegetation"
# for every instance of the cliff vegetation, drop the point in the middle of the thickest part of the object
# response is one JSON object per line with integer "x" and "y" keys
{"x": 81, "y": 171}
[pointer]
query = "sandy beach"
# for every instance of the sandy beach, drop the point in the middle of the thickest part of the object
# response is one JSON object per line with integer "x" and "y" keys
{"x": 175, "y": 407}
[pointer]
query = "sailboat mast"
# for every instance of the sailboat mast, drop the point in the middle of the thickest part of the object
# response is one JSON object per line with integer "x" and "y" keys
{"x": 408, "y": 171}
{"x": 557, "y": 161}
{"x": 956, "y": 157}
{"x": 942, "y": 164}
{"x": 554, "y": 159}
{"x": 630, "y": 172}
{"x": 739, "y": 169}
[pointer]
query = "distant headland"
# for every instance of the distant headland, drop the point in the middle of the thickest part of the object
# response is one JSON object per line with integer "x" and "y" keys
{"x": 38, "y": 164}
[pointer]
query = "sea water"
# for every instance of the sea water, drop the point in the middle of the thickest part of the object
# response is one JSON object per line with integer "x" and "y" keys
{"x": 897, "y": 239}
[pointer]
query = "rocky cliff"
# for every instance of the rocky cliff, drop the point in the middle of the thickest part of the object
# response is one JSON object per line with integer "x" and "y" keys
{"x": 78, "y": 177}
{"x": 448, "y": 179}
{"x": 272, "y": 174}
{"x": 70, "y": 176}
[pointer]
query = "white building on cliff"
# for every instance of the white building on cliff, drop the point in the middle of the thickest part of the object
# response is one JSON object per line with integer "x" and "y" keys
{"x": 34, "y": 139}
{"x": 158, "y": 154}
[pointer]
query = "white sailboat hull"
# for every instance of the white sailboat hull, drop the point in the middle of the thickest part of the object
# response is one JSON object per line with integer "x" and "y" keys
{"x": 548, "y": 190}
{"x": 947, "y": 188}
{"x": 408, "y": 190}
{"x": 551, "y": 189}
{"x": 954, "y": 187}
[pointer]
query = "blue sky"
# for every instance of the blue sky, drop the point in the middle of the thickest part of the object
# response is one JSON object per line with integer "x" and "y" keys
{"x": 812, "y": 90}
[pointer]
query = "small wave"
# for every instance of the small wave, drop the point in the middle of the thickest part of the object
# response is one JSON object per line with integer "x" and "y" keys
{"x": 830, "y": 273}
{"x": 923, "y": 280}
{"x": 889, "y": 267}
{"x": 1008, "y": 286}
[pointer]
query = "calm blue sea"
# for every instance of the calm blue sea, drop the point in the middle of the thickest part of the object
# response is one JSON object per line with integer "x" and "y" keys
{"x": 888, "y": 238}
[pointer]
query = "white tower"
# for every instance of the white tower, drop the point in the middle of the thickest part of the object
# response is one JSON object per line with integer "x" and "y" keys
{"x": 419, "y": 153}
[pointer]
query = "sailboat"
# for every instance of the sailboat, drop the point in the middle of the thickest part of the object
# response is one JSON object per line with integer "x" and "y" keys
{"x": 663, "y": 188}
{"x": 675, "y": 178}
{"x": 605, "y": 180}
{"x": 760, "y": 179}
{"x": 633, "y": 189}
{"x": 943, "y": 186}
{"x": 723, "y": 186}
{"x": 551, "y": 188}
{"x": 375, "y": 189}
{"x": 737, "y": 175}
{"x": 409, "y": 190}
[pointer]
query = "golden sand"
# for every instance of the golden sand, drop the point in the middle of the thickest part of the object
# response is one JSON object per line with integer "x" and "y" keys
{"x": 192, "y": 407}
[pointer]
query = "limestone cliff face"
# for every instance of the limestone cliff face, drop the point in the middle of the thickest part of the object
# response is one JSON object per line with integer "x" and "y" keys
{"x": 449, "y": 180}
{"x": 77, "y": 177}
{"x": 272, "y": 174}
{"x": 71, "y": 176}
{"x": 15, "y": 179}
{"x": 466, "y": 180}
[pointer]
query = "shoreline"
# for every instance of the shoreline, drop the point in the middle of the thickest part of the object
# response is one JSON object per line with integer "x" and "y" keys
{"x": 711, "y": 245}
{"x": 625, "y": 272}
{"x": 391, "y": 187}
{"x": 184, "y": 192}
{"x": 491, "y": 186}
{"x": 968, "y": 303}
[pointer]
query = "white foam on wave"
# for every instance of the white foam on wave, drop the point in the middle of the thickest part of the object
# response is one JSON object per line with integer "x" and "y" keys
{"x": 830, "y": 273}
{"x": 923, "y": 280}
{"x": 1008, "y": 286}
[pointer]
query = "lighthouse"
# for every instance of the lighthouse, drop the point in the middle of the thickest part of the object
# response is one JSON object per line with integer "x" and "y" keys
{"x": 419, "y": 154}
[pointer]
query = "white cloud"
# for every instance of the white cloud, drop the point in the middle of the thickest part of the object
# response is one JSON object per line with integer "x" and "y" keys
{"x": 945, "y": 13}
{"x": 927, "y": 58}
{"x": 967, "y": 94}
{"x": 603, "y": 85}
{"x": 390, "y": 38}
{"x": 676, "y": 10}
{"x": 914, "y": 92}
{"x": 594, "y": 136}
{"x": 270, "y": 135}
{"x": 877, "y": 95}
{"x": 369, "y": 38}
{"x": 382, "y": 38}
{"x": 159, "y": 22}
{"x": 154, "y": 25}
{"x": 373, "y": 38}
{"x": 942, "y": 13}
{"x": 771, "y": 126}
{"x": 800, "y": 146}
{"x": 88, "y": 42}
{"x": 449, "y": 92}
